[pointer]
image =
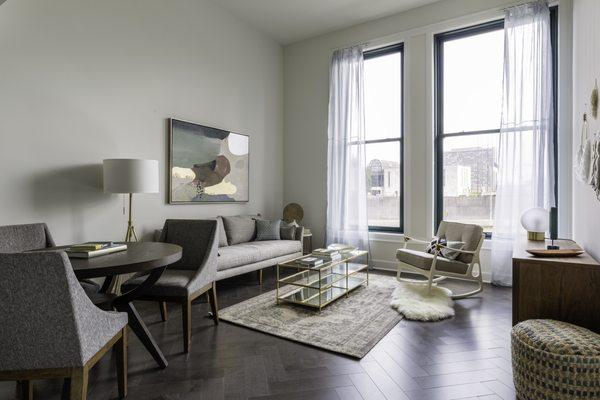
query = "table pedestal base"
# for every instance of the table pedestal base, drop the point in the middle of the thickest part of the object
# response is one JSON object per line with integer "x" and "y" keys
{"x": 124, "y": 303}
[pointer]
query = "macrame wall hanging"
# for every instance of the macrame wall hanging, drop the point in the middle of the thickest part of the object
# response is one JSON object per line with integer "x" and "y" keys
{"x": 594, "y": 100}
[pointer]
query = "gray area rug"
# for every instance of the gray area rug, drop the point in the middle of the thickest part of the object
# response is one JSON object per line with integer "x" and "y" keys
{"x": 350, "y": 326}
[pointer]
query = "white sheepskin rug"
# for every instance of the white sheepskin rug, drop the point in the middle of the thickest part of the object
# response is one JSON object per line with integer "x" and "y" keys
{"x": 413, "y": 301}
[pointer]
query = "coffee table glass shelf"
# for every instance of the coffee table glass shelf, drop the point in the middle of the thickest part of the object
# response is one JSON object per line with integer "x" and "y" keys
{"x": 318, "y": 286}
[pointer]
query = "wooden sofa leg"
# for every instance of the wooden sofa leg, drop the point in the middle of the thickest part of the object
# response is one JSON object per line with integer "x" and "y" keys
{"x": 260, "y": 277}
{"x": 214, "y": 307}
{"x": 186, "y": 314}
{"x": 163, "y": 310}
{"x": 79, "y": 384}
{"x": 121, "y": 350}
{"x": 25, "y": 390}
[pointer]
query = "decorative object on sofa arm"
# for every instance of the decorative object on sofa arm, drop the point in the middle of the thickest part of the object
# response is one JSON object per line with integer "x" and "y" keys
{"x": 129, "y": 176}
{"x": 436, "y": 267}
{"x": 293, "y": 212}
{"x": 535, "y": 222}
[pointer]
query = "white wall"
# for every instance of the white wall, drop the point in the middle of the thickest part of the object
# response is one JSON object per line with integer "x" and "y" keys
{"x": 586, "y": 70}
{"x": 83, "y": 80}
{"x": 306, "y": 69}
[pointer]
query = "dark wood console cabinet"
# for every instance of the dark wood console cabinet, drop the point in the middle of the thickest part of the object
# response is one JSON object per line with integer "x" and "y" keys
{"x": 565, "y": 289}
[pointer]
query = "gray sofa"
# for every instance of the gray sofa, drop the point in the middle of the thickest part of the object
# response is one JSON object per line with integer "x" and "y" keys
{"x": 239, "y": 252}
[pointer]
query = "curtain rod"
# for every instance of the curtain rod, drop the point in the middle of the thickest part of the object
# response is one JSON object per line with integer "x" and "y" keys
{"x": 364, "y": 44}
{"x": 506, "y": 8}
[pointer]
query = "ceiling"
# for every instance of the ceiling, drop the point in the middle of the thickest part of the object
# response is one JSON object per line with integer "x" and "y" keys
{"x": 289, "y": 21}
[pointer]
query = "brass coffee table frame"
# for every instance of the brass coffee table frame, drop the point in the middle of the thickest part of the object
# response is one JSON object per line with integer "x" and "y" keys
{"x": 323, "y": 284}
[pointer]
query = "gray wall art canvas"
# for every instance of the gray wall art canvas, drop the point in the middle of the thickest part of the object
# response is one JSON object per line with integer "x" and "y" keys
{"x": 207, "y": 165}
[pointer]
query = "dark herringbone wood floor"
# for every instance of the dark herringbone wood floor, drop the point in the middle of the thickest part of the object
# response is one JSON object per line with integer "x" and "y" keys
{"x": 467, "y": 357}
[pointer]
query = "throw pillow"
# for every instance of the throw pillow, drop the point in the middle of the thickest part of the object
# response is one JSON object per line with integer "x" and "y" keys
{"x": 436, "y": 240}
{"x": 221, "y": 232}
{"x": 267, "y": 230}
{"x": 452, "y": 254}
{"x": 287, "y": 232}
{"x": 239, "y": 228}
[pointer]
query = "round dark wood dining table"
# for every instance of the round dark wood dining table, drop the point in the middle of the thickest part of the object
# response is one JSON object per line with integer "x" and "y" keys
{"x": 150, "y": 257}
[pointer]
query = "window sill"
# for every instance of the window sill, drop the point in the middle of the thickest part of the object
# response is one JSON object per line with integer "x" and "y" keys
{"x": 382, "y": 236}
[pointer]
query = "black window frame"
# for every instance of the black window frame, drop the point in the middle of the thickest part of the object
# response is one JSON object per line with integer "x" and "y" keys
{"x": 439, "y": 40}
{"x": 369, "y": 54}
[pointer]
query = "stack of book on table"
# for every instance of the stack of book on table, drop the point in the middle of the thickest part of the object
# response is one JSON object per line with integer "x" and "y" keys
{"x": 310, "y": 261}
{"x": 94, "y": 249}
{"x": 328, "y": 255}
{"x": 341, "y": 248}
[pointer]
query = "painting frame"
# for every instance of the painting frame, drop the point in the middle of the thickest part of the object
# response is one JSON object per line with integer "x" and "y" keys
{"x": 170, "y": 156}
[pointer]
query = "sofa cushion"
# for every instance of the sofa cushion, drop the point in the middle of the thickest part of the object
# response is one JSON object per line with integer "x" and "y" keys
{"x": 423, "y": 260}
{"x": 267, "y": 230}
{"x": 221, "y": 232}
{"x": 248, "y": 253}
{"x": 239, "y": 228}
{"x": 287, "y": 232}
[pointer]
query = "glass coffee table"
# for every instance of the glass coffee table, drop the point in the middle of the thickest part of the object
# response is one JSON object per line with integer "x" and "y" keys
{"x": 318, "y": 286}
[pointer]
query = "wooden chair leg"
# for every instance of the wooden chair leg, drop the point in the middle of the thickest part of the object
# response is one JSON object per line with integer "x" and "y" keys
{"x": 25, "y": 390}
{"x": 429, "y": 282}
{"x": 163, "y": 310}
{"x": 79, "y": 384}
{"x": 66, "y": 389}
{"x": 121, "y": 350}
{"x": 212, "y": 296}
{"x": 186, "y": 314}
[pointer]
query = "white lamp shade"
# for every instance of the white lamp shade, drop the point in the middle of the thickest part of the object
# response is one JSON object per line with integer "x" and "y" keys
{"x": 125, "y": 175}
{"x": 535, "y": 220}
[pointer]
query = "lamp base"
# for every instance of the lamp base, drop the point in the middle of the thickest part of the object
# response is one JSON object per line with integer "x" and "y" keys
{"x": 536, "y": 236}
{"x": 130, "y": 235}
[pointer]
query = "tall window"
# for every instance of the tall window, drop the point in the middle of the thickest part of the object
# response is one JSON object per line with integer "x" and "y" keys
{"x": 469, "y": 74}
{"x": 383, "y": 81}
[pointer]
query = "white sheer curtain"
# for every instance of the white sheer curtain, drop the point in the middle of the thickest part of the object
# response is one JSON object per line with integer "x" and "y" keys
{"x": 346, "y": 173}
{"x": 525, "y": 159}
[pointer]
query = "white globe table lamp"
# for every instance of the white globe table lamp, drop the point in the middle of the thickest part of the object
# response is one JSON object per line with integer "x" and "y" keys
{"x": 535, "y": 221}
{"x": 126, "y": 175}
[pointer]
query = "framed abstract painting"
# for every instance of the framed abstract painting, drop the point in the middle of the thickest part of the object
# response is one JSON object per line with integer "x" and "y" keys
{"x": 207, "y": 165}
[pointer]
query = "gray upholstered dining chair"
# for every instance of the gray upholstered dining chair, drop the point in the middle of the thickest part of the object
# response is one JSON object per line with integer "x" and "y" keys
{"x": 50, "y": 329}
{"x": 193, "y": 275}
{"x": 28, "y": 237}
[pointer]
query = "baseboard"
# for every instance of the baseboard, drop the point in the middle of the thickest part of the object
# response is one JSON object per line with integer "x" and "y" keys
{"x": 387, "y": 265}
{"x": 383, "y": 264}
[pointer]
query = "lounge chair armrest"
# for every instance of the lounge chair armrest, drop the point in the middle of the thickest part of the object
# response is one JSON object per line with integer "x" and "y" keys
{"x": 439, "y": 247}
{"x": 411, "y": 239}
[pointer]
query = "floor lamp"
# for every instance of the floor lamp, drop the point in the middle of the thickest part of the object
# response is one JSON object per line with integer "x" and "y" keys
{"x": 129, "y": 176}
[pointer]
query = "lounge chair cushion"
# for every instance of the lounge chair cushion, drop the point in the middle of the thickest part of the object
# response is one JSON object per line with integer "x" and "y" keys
{"x": 423, "y": 261}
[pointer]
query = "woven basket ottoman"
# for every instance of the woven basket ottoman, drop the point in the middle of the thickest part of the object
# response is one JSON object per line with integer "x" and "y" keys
{"x": 555, "y": 360}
